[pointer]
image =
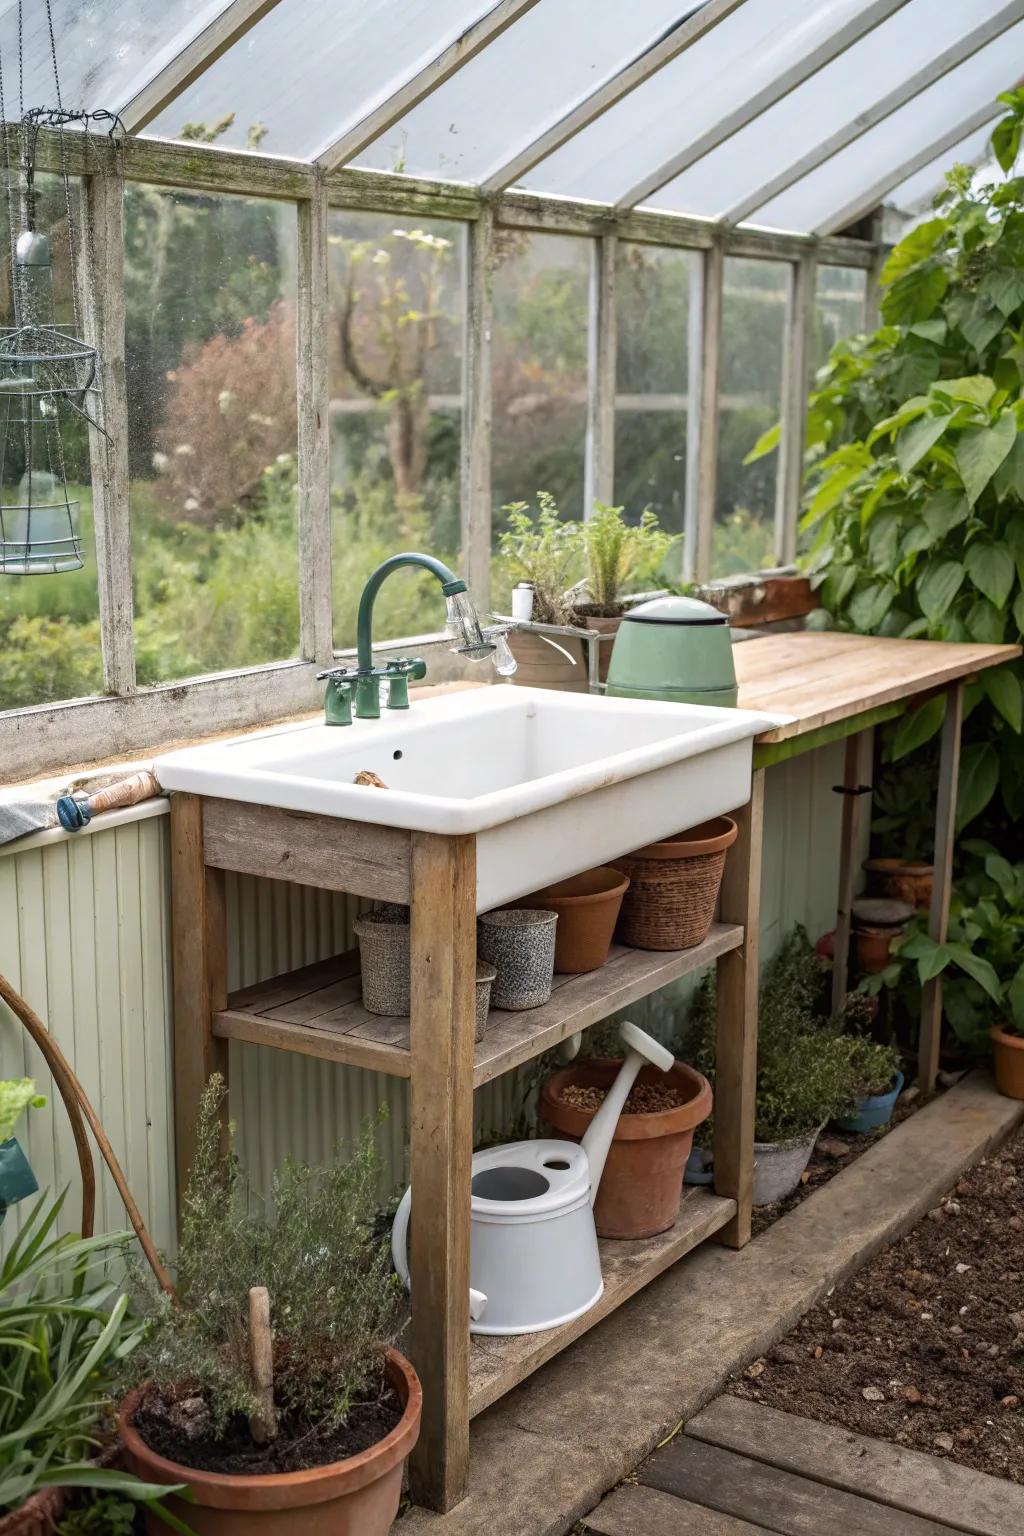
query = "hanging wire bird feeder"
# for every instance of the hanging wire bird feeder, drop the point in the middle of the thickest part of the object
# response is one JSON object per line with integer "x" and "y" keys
{"x": 49, "y": 376}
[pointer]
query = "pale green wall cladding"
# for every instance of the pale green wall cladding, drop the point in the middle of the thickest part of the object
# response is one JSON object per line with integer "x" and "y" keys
{"x": 84, "y": 934}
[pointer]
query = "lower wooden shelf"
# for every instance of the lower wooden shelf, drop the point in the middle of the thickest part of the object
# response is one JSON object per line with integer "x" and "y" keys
{"x": 496, "y": 1365}
{"x": 318, "y": 1010}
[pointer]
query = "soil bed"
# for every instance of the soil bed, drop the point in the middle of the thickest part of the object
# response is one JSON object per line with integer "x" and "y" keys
{"x": 924, "y": 1347}
{"x": 297, "y": 1447}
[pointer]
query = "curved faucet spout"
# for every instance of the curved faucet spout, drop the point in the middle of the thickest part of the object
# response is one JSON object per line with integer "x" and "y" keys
{"x": 450, "y": 585}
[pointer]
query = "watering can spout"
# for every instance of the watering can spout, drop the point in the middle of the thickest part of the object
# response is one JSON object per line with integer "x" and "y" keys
{"x": 642, "y": 1051}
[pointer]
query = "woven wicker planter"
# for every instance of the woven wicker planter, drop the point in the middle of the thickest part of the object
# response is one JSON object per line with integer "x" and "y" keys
{"x": 674, "y": 886}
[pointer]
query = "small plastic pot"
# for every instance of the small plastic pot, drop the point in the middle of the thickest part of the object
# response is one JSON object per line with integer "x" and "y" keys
{"x": 778, "y": 1166}
{"x": 873, "y": 1110}
{"x": 485, "y": 975}
{"x": 643, "y": 1176}
{"x": 520, "y": 944}
{"x": 1008, "y": 1063}
{"x": 384, "y": 962}
{"x": 588, "y": 909}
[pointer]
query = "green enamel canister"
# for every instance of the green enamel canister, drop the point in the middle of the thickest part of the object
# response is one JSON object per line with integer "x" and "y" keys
{"x": 673, "y": 648}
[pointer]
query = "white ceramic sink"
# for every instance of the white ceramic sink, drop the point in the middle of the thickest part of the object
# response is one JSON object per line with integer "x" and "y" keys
{"x": 551, "y": 783}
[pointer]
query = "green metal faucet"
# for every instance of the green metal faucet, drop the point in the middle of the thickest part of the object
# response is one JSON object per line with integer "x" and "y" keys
{"x": 364, "y": 679}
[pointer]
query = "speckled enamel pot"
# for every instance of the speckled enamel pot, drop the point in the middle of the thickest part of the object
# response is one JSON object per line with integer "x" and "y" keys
{"x": 485, "y": 975}
{"x": 384, "y": 962}
{"x": 520, "y": 945}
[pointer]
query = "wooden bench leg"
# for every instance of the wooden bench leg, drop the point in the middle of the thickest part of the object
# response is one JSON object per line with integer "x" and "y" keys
{"x": 942, "y": 886}
{"x": 199, "y": 951}
{"x": 441, "y": 1039}
{"x": 856, "y": 774}
{"x": 736, "y": 1044}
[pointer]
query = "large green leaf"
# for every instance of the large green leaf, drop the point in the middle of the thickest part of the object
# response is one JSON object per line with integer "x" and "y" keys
{"x": 884, "y": 539}
{"x": 914, "y": 441}
{"x": 1015, "y": 998}
{"x": 914, "y": 247}
{"x": 1014, "y": 540}
{"x": 938, "y": 586}
{"x": 1003, "y": 688}
{"x": 990, "y": 567}
{"x": 766, "y": 443}
{"x": 1006, "y": 142}
{"x": 1018, "y": 611}
{"x": 869, "y": 606}
{"x": 919, "y": 726}
{"x": 974, "y": 388}
{"x": 981, "y": 450}
{"x": 978, "y": 968}
{"x": 1009, "y": 477}
{"x": 985, "y": 623}
{"x": 979, "y": 776}
{"x": 980, "y": 322}
{"x": 945, "y": 510}
{"x": 915, "y": 296}
{"x": 1005, "y": 287}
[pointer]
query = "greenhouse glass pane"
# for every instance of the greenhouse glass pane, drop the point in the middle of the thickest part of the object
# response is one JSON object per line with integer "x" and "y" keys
{"x": 839, "y": 307}
{"x": 856, "y": 169}
{"x": 395, "y": 381}
{"x": 740, "y": 56}
{"x": 106, "y": 49}
{"x": 919, "y": 189}
{"x": 539, "y": 363}
{"x": 311, "y": 68}
{"x": 652, "y": 379}
{"x": 49, "y": 624}
{"x": 210, "y": 361}
{"x": 831, "y": 100}
{"x": 750, "y": 397}
{"x": 526, "y": 79}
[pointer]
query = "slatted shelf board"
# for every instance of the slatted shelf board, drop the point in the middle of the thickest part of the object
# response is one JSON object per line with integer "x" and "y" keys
{"x": 318, "y": 1010}
{"x": 496, "y": 1365}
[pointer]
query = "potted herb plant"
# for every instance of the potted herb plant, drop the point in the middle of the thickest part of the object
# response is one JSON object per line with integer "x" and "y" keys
{"x": 618, "y": 556}
{"x": 66, "y": 1334}
{"x": 268, "y": 1388}
{"x": 878, "y": 1082}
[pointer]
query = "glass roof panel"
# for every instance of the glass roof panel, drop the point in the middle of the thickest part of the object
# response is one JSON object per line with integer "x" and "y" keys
{"x": 532, "y": 74}
{"x": 920, "y": 188}
{"x": 856, "y": 169}
{"x": 311, "y": 68}
{"x": 743, "y": 54}
{"x": 830, "y": 100}
{"x": 106, "y": 49}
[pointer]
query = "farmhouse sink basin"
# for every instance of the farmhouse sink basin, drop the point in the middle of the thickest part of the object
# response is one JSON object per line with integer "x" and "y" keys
{"x": 550, "y": 783}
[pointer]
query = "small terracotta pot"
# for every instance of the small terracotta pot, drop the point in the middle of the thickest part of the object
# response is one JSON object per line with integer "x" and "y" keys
{"x": 1008, "y": 1063}
{"x": 588, "y": 909}
{"x": 643, "y": 1177}
{"x": 902, "y": 879}
{"x": 872, "y": 947}
{"x": 355, "y": 1497}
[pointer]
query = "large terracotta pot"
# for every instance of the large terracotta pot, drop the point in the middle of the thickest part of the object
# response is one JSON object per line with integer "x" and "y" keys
{"x": 540, "y": 664}
{"x": 355, "y": 1497}
{"x": 643, "y": 1177}
{"x": 1008, "y": 1063}
{"x": 901, "y": 879}
{"x": 588, "y": 908}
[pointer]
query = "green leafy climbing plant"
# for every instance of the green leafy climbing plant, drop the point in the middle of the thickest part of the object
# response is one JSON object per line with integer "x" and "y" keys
{"x": 914, "y": 519}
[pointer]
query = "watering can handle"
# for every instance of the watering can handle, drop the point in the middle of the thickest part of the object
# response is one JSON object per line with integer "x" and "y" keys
{"x": 400, "y": 1254}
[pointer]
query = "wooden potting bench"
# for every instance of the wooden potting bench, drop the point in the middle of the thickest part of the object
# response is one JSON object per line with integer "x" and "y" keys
{"x": 835, "y": 686}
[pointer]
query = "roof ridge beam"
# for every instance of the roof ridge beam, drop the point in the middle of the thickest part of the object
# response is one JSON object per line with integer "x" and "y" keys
{"x": 355, "y": 137}
{"x": 870, "y": 198}
{"x": 936, "y": 69}
{"x": 682, "y": 35}
{"x": 802, "y": 69}
{"x": 220, "y": 34}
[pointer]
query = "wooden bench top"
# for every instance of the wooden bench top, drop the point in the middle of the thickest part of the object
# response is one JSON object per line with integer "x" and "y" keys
{"x": 823, "y": 677}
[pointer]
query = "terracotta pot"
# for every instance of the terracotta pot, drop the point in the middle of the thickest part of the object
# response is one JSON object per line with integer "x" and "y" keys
{"x": 355, "y": 1497}
{"x": 872, "y": 947}
{"x": 542, "y": 665}
{"x": 643, "y": 1178}
{"x": 38, "y": 1515}
{"x": 588, "y": 909}
{"x": 1008, "y": 1063}
{"x": 674, "y": 887}
{"x": 902, "y": 879}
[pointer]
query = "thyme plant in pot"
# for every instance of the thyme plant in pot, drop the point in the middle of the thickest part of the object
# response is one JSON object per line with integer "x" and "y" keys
{"x": 618, "y": 556}
{"x": 268, "y": 1388}
{"x": 878, "y": 1082}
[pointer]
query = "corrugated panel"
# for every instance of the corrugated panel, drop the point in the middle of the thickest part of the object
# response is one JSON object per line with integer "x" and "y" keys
{"x": 84, "y": 934}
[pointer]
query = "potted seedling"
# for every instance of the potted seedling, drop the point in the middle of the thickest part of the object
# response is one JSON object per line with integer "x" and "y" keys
{"x": 544, "y": 550}
{"x": 878, "y": 1082}
{"x": 619, "y": 557}
{"x": 268, "y": 1388}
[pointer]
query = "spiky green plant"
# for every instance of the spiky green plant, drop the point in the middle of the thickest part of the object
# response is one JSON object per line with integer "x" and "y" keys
{"x": 619, "y": 555}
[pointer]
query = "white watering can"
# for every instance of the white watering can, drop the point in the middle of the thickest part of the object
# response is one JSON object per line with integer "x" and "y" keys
{"x": 534, "y": 1262}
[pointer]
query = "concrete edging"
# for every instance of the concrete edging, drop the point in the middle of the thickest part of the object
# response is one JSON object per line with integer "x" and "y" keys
{"x": 545, "y": 1455}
